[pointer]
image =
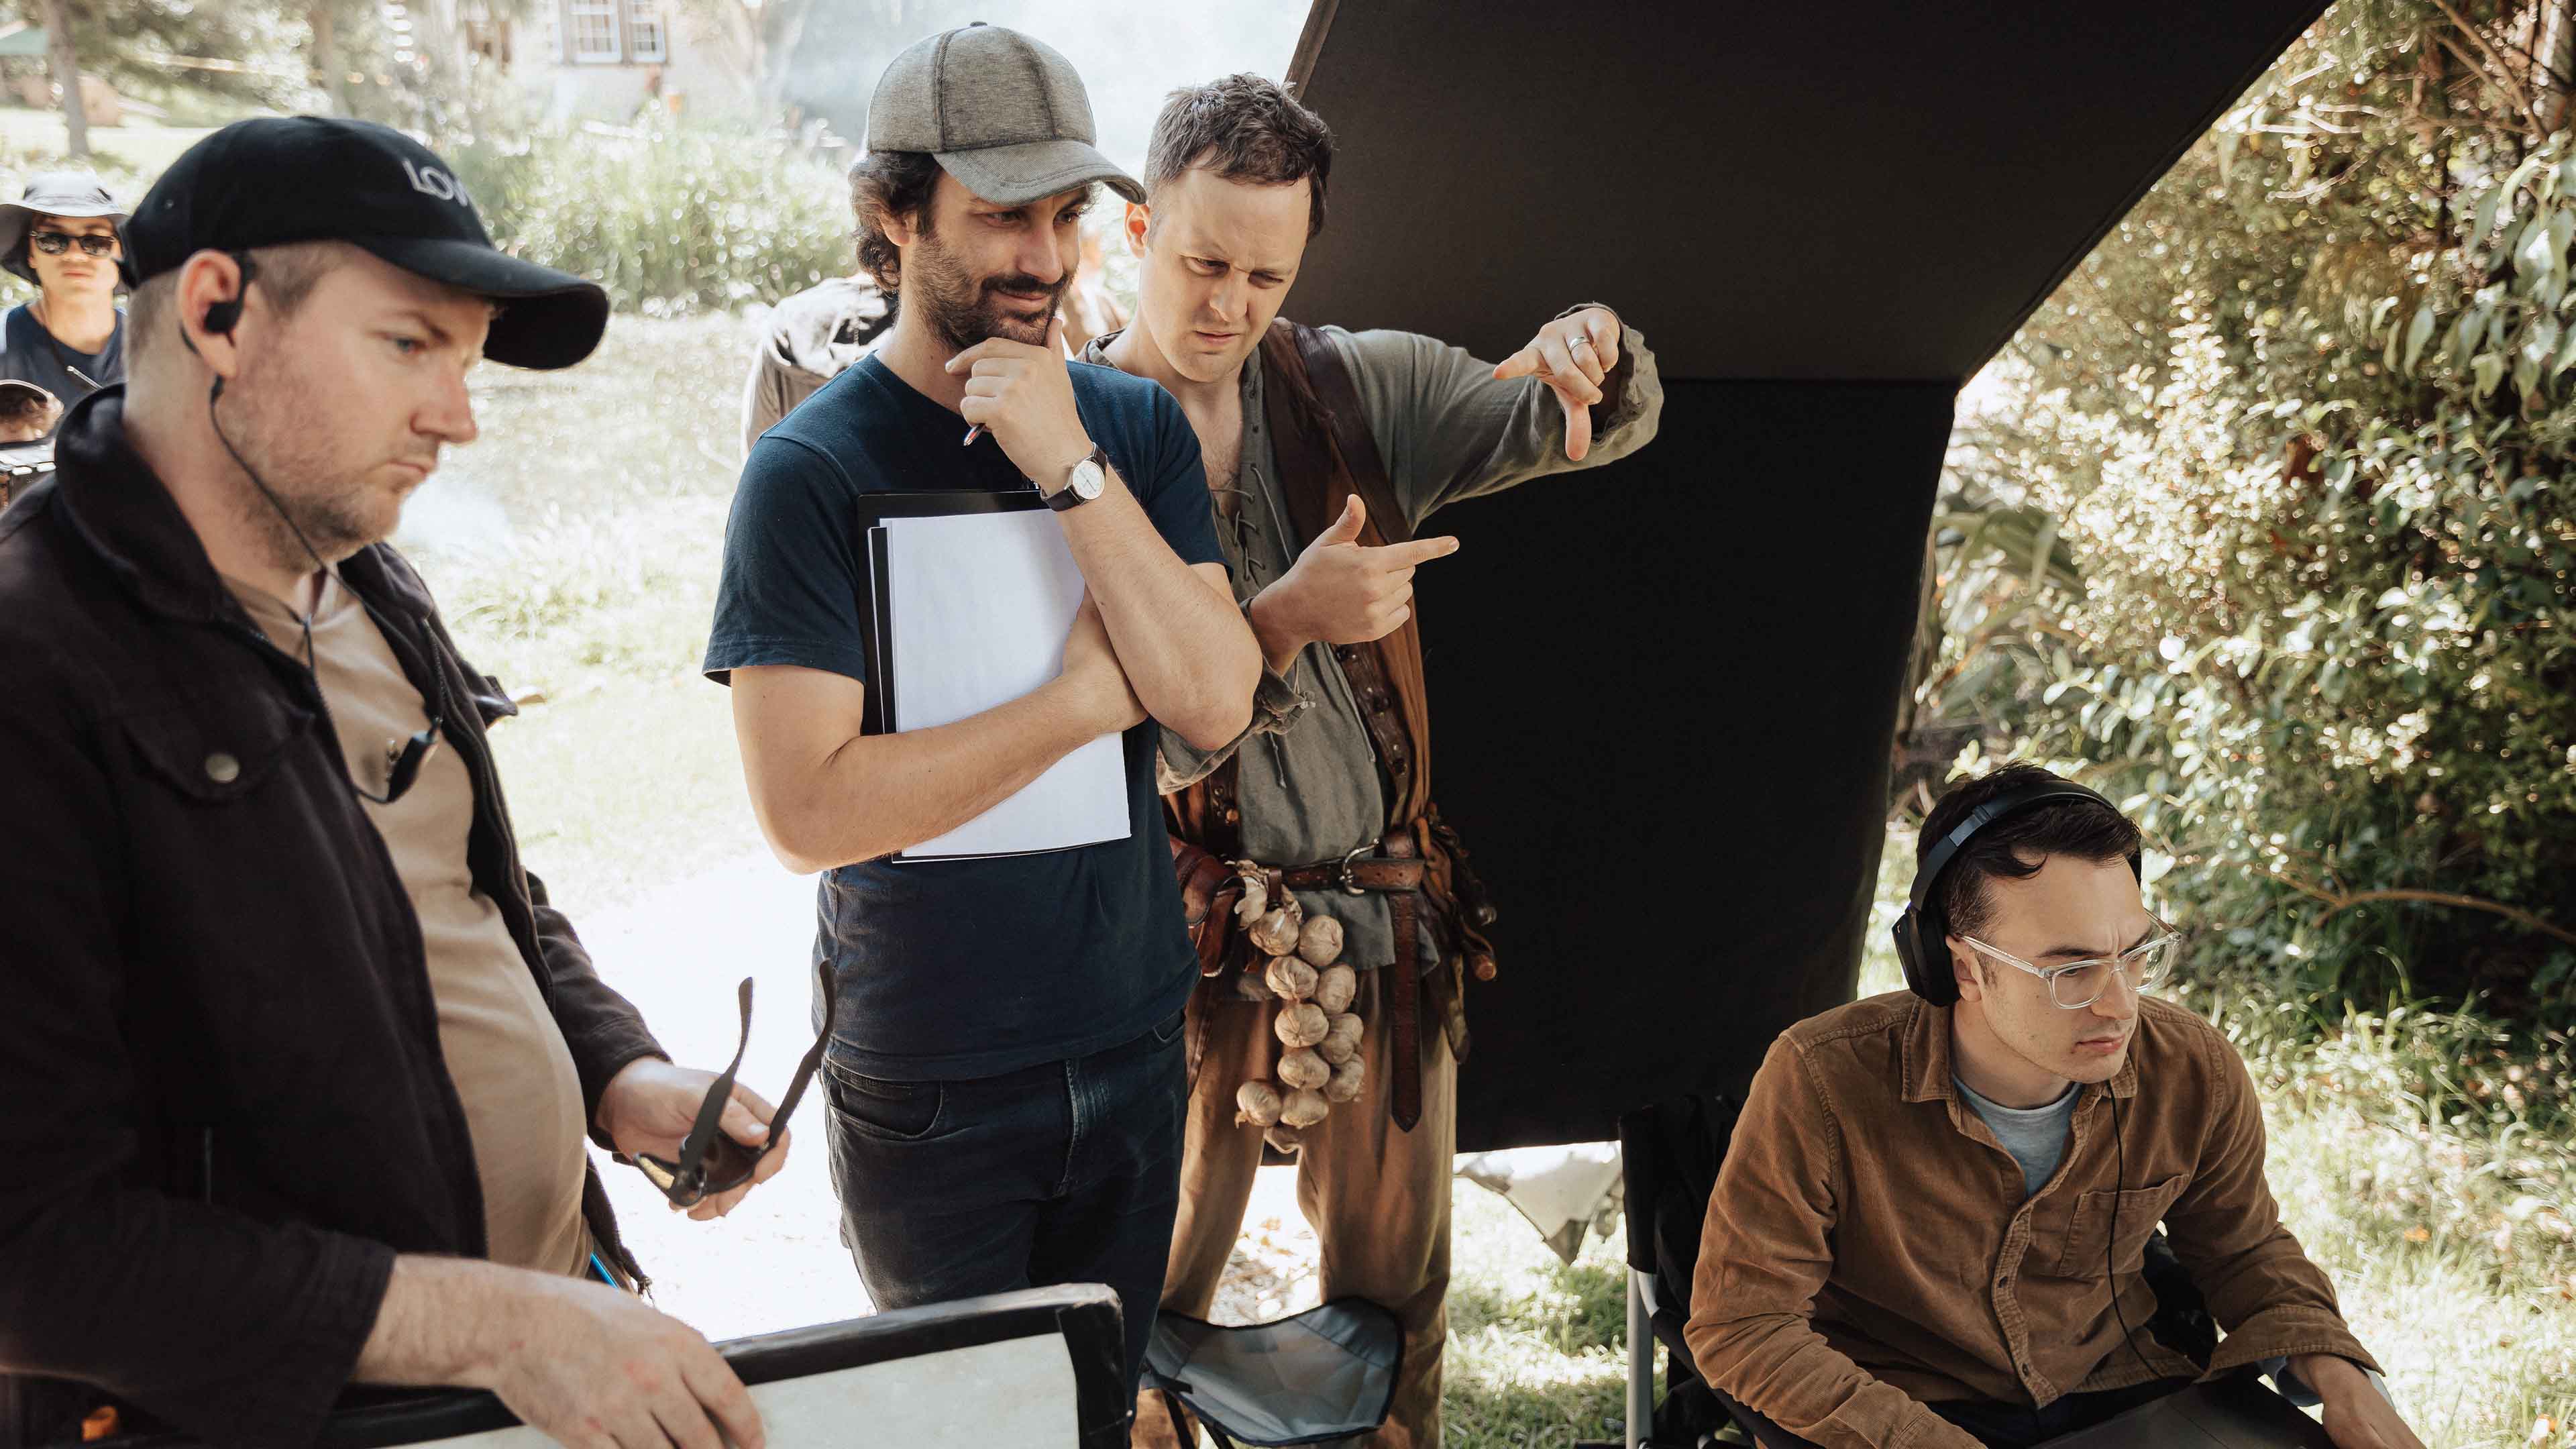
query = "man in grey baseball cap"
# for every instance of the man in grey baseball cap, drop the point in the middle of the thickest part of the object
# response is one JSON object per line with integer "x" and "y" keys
{"x": 1001, "y": 112}
{"x": 1006, "y": 1063}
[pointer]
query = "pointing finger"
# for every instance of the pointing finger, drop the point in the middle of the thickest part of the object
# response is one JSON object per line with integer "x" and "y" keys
{"x": 1520, "y": 364}
{"x": 1406, "y": 555}
{"x": 1055, "y": 333}
{"x": 967, "y": 359}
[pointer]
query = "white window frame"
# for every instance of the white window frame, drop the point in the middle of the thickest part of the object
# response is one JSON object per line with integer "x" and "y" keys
{"x": 576, "y": 41}
{"x": 647, "y": 17}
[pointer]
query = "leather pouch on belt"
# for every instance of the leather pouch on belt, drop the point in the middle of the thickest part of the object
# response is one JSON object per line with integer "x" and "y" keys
{"x": 1209, "y": 891}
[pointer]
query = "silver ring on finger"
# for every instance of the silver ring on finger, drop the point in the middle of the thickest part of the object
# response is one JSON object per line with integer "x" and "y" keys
{"x": 1578, "y": 340}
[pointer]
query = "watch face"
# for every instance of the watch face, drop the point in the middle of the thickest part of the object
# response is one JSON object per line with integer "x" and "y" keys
{"x": 1087, "y": 480}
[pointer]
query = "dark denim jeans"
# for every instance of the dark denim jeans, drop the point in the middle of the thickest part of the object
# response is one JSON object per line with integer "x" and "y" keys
{"x": 1063, "y": 1173}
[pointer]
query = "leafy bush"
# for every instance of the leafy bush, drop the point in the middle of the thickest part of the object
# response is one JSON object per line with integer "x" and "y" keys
{"x": 666, "y": 222}
{"x": 2304, "y": 429}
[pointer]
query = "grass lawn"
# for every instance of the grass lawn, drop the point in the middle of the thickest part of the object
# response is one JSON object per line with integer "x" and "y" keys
{"x": 575, "y": 549}
{"x": 2423, "y": 1162}
{"x": 36, "y": 140}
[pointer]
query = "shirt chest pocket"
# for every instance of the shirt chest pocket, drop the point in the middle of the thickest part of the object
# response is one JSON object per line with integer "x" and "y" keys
{"x": 215, "y": 750}
{"x": 2090, "y": 1231}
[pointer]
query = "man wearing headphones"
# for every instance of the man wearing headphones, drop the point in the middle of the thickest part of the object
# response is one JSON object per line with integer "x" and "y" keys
{"x": 1931, "y": 1223}
{"x": 297, "y": 1060}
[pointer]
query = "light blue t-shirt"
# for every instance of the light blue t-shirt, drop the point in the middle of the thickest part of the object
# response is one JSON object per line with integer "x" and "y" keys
{"x": 2035, "y": 1136}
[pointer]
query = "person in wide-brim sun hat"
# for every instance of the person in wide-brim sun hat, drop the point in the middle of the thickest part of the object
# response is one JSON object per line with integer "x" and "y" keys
{"x": 65, "y": 235}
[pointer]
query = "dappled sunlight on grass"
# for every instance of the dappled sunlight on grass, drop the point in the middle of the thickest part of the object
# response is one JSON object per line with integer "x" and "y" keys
{"x": 1537, "y": 1348}
{"x": 2441, "y": 1208}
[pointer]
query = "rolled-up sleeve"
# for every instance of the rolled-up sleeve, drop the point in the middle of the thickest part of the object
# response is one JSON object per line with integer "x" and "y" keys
{"x": 1449, "y": 429}
{"x": 1276, "y": 706}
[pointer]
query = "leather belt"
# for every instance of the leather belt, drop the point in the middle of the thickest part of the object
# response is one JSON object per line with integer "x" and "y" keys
{"x": 1358, "y": 873}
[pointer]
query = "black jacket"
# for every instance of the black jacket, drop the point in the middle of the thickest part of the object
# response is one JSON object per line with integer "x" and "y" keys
{"x": 223, "y": 1109}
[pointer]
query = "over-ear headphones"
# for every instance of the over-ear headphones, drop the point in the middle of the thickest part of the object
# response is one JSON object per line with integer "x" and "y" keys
{"x": 1922, "y": 933}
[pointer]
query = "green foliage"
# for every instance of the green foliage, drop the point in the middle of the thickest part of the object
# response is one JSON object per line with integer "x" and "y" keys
{"x": 2305, "y": 425}
{"x": 667, "y": 222}
{"x": 129, "y": 43}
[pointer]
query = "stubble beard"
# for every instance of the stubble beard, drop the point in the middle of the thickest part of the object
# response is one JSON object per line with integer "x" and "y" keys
{"x": 301, "y": 522}
{"x": 961, "y": 310}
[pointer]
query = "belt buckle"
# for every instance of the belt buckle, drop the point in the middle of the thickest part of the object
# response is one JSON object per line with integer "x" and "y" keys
{"x": 1350, "y": 877}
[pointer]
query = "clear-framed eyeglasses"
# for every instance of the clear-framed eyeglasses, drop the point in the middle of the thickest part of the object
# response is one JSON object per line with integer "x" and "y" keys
{"x": 2078, "y": 984}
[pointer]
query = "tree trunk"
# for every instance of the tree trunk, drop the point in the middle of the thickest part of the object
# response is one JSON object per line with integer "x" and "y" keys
{"x": 2554, "y": 74}
{"x": 328, "y": 66}
{"x": 66, "y": 65}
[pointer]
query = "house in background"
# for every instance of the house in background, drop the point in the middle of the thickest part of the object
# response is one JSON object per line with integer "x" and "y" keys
{"x": 605, "y": 60}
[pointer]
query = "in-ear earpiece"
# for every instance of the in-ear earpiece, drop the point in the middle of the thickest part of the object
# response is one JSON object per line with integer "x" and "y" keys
{"x": 222, "y": 316}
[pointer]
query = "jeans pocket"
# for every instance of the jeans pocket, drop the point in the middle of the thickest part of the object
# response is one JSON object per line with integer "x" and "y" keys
{"x": 875, "y": 1107}
{"x": 1169, "y": 1030}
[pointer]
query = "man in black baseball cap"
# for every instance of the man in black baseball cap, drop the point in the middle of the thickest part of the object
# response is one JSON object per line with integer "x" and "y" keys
{"x": 372, "y": 188}
{"x": 299, "y": 1060}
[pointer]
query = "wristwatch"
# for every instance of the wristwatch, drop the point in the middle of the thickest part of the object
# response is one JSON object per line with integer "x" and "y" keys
{"x": 1083, "y": 483}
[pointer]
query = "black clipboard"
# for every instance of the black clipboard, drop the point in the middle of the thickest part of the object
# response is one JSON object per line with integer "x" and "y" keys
{"x": 877, "y": 711}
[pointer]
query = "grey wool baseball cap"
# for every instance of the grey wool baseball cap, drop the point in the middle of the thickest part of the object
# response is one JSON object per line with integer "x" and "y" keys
{"x": 1002, "y": 113}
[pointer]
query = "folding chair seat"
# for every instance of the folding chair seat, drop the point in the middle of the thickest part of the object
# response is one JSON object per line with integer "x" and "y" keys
{"x": 1313, "y": 1377}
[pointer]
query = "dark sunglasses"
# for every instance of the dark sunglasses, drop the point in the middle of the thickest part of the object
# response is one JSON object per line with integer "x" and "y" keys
{"x": 55, "y": 243}
{"x": 711, "y": 1163}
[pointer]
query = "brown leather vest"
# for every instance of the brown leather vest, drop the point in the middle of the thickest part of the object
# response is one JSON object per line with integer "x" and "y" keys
{"x": 1326, "y": 454}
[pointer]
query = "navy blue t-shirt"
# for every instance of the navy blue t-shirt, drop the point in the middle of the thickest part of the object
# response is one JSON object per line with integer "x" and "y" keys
{"x": 969, "y": 968}
{"x": 29, "y": 353}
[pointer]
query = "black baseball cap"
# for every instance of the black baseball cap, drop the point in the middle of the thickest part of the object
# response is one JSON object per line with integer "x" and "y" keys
{"x": 277, "y": 180}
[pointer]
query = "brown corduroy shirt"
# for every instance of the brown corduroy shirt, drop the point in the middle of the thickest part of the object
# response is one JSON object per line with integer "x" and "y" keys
{"x": 1868, "y": 1249}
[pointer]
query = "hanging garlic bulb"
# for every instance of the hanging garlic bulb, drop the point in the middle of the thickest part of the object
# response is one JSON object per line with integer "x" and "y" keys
{"x": 1346, "y": 1079}
{"x": 1301, "y": 1024}
{"x": 1341, "y": 1039}
{"x": 1320, "y": 941}
{"x": 1275, "y": 934}
{"x": 1291, "y": 978}
{"x": 1335, "y": 988}
{"x": 1303, "y": 1108}
{"x": 1259, "y": 1104}
{"x": 1302, "y": 1068}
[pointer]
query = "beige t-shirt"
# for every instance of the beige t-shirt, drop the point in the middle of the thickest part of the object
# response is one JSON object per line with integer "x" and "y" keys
{"x": 522, "y": 1097}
